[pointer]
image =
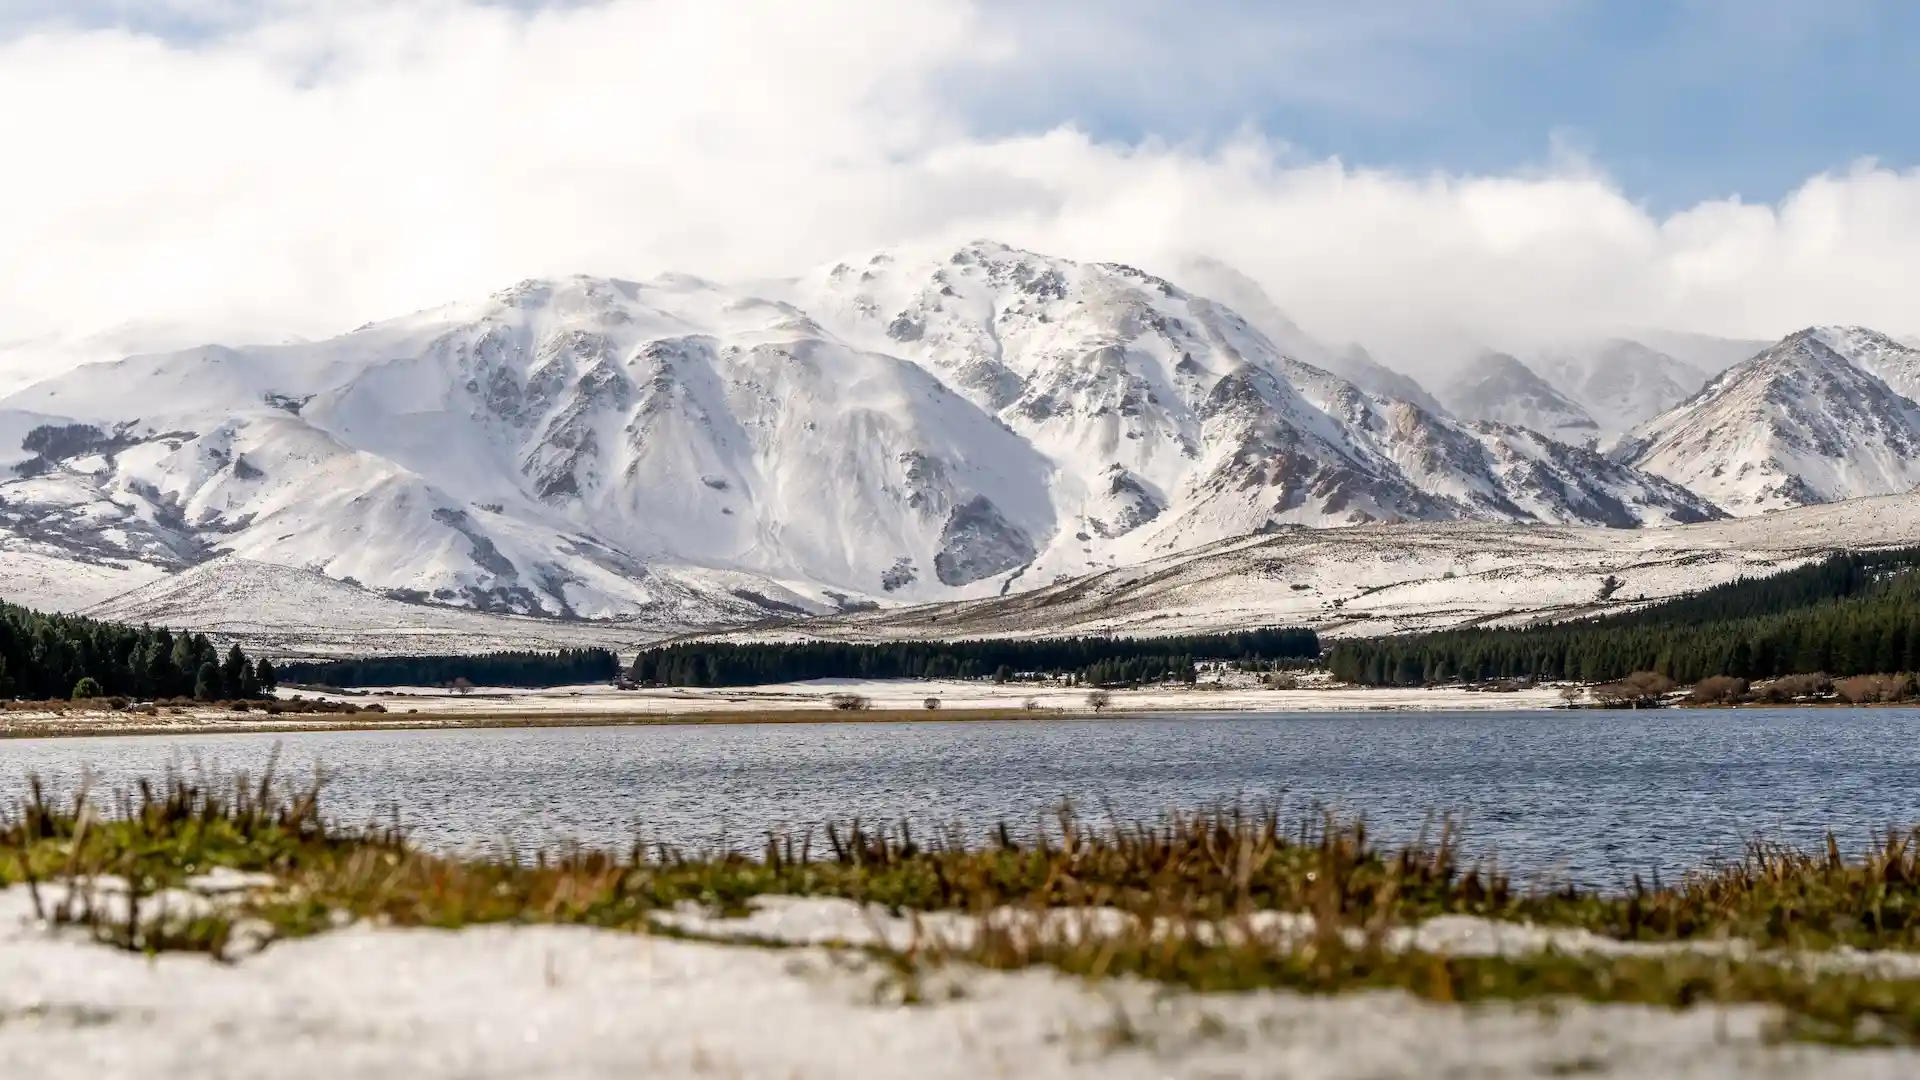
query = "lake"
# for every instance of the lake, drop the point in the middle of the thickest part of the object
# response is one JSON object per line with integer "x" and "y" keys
{"x": 1593, "y": 796}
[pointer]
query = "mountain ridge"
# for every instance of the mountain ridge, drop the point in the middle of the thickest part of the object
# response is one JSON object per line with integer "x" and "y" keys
{"x": 906, "y": 427}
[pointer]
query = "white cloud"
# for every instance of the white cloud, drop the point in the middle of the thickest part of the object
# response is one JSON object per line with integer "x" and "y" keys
{"x": 325, "y": 164}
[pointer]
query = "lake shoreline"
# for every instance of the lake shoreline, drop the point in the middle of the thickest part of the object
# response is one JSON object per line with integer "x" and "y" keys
{"x": 816, "y": 702}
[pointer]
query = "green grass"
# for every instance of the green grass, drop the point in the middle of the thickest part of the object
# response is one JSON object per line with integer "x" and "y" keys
{"x": 1205, "y": 869}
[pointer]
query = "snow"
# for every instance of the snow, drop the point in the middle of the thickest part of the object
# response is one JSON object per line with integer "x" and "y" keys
{"x": 832, "y": 921}
{"x": 531, "y": 1001}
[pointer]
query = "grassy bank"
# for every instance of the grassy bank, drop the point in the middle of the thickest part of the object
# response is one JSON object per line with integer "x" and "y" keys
{"x": 1193, "y": 896}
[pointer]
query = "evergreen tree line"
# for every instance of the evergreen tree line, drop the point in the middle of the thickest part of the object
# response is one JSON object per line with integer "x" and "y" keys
{"x": 1853, "y": 614}
{"x": 59, "y": 656}
{"x": 1833, "y": 578}
{"x": 1138, "y": 670}
{"x": 1093, "y": 660}
{"x": 527, "y": 670}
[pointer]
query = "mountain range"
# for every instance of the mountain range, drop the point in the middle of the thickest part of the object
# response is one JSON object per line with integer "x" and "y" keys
{"x": 908, "y": 426}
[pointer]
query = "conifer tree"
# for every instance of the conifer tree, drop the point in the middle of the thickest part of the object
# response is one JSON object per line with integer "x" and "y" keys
{"x": 206, "y": 686}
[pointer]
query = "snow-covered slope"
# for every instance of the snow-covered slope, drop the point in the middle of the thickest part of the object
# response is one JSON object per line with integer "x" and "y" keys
{"x": 1380, "y": 579}
{"x": 1893, "y": 362}
{"x": 281, "y": 611}
{"x": 908, "y": 426}
{"x": 1496, "y": 387}
{"x": 1803, "y": 422}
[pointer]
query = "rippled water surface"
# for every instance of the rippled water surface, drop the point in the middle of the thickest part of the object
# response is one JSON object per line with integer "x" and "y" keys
{"x": 1596, "y": 796}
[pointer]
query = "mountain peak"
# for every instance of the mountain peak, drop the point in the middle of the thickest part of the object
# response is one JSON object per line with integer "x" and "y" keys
{"x": 1809, "y": 419}
{"x": 1497, "y": 387}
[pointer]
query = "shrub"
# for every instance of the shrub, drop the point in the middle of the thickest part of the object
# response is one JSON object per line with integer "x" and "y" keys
{"x": 1718, "y": 690}
{"x": 849, "y": 702}
{"x": 1870, "y": 689}
{"x": 1281, "y": 682}
{"x": 86, "y": 688}
{"x": 932, "y": 704}
{"x": 1794, "y": 688}
{"x": 1098, "y": 700}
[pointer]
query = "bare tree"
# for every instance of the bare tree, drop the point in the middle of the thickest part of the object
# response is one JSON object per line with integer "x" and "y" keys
{"x": 1870, "y": 689}
{"x": 849, "y": 702}
{"x": 1098, "y": 700}
{"x": 462, "y": 685}
{"x": 1640, "y": 690}
{"x": 932, "y": 704}
{"x": 1718, "y": 690}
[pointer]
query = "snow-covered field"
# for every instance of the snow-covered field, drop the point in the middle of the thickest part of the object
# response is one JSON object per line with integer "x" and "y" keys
{"x": 434, "y": 707}
{"x": 523, "y": 1002}
{"x": 912, "y": 694}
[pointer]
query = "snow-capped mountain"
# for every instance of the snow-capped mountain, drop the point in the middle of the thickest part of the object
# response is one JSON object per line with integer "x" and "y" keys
{"x": 1498, "y": 388}
{"x": 1620, "y": 383}
{"x": 1819, "y": 417}
{"x": 679, "y": 452}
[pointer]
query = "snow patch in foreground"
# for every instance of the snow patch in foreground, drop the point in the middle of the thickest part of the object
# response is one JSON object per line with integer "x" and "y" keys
{"x": 526, "y": 1002}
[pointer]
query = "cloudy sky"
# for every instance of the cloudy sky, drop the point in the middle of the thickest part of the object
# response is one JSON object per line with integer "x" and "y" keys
{"x": 1388, "y": 169}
